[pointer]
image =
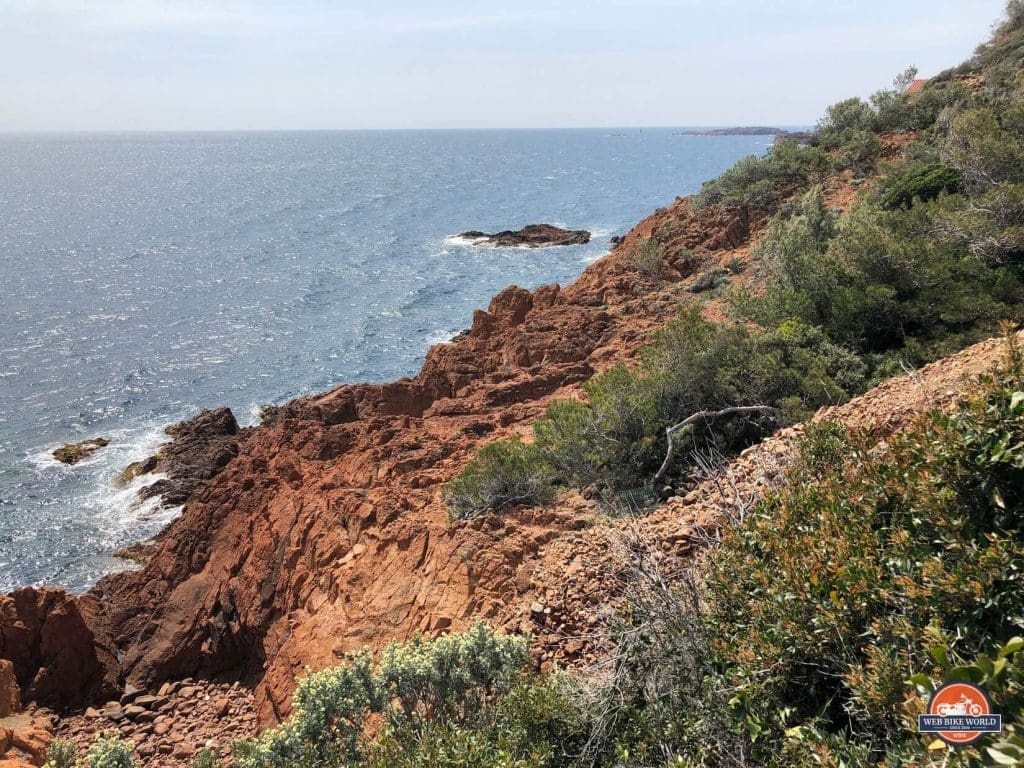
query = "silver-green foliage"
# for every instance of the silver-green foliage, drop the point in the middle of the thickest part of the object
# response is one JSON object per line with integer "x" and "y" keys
{"x": 109, "y": 751}
{"x": 441, "y": 680}
{"x": 61, "y": 754}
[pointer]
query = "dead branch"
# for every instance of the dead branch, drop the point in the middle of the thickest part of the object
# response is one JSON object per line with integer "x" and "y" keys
{"x": 670, "y": 452}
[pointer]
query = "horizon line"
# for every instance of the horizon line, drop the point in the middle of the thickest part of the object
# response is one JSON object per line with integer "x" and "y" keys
{"x": 396, "y": 129}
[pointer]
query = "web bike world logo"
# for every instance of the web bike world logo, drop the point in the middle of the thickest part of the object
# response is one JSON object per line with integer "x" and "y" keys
{"x": 959, "y": 714}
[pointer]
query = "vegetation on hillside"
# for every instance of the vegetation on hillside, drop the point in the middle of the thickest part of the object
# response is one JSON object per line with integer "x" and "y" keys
{"x": 928, "y": 259}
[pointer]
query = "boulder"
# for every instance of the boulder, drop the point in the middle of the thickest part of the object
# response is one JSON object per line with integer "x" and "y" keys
{"x": 531, "y": 236}
{"x": 134, "y": 470}
{"x": 72, "y": 453}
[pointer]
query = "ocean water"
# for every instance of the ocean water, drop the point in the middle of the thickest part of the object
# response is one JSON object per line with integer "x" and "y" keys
{"x": 146, "y": 276}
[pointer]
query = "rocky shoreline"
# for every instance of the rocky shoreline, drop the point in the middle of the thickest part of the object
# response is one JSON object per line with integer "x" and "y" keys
{"x": 323, "y": 530}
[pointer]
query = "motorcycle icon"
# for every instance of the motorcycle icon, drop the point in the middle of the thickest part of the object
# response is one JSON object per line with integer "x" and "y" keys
{"x": 964, "y": 706}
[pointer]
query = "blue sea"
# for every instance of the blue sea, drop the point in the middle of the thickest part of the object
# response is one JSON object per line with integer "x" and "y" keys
{"x": 146, "y": 276}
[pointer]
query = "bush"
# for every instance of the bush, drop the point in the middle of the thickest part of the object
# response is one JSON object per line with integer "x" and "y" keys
{"x": 616, "y": 440}
{"x": 736, "y": 265}
{"x": 534, "y": 725}
{"x": 845, "y": 116}
{"x": 60, "y": 754}
{"x": 208, "y": 757}
{"x": 504, "y": 473}
{"x": 710, "y": 281}
{"x": 648, "y": 256}
{"x": 983, "y": 150}
{"x": 918, "y": 183}
{"x": 826, "y": 599}
{"x": 109, "y": 751}
{"x": 416, "y": 688}
{"x": 884, "y": 281}
{"x": 858, "y": 152}
{"x": 763, "y": 182}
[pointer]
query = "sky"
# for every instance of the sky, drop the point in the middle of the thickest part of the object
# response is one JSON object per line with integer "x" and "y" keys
{"x": 335, "y": 64}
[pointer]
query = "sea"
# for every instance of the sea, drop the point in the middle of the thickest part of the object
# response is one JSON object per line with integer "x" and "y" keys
{"x": 147, "y": 276}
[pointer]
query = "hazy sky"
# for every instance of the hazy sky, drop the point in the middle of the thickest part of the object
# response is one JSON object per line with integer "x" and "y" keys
{"x": 225, "y": 64}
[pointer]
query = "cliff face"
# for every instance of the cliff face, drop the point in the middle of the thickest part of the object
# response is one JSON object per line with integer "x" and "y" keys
{"x": 324, "y": 529}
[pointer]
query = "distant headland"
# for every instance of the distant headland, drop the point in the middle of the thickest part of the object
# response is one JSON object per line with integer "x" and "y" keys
{"x": 756, "y": 130}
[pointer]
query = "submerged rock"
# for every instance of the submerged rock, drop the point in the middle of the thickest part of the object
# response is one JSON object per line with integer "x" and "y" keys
{"x": 532, "y": 236}
{"x": 72, "y": 453}
{"x": 138, "y": 553}
{"x": 134, "y": 470}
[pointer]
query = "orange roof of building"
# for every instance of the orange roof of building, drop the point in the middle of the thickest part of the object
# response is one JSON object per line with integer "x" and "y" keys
{"x": 916, "y": 86}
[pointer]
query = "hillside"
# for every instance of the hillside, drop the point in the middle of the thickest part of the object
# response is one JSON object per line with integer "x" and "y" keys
{"x": 511, "y": 480}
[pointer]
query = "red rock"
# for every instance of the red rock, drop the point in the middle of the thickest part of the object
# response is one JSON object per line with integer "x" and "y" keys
{"x": 58, "y": 657}
{"x": 10, "y": 692}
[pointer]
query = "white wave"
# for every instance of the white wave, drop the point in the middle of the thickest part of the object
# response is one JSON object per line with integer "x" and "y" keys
{"x": 252, "y": 416}
{"x": 464, "y": 241}
{"x": 443, "y": 337}
{"x": 590, "y": 258}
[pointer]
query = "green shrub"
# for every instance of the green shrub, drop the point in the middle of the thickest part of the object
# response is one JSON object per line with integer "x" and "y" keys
{"x": 983, "y": 150}
{"x": 710, "y": 281}
{"x": 858, "y": 152}
{"x": 60, "y": 754}
{"x": 736, "y": 265}
{"x": 880, "y": 281}
{"x": 616, "y": 440}
{"x": 109, "y": 751}
{"x": 763, "y": 182}
{"x": 920, "y": 183}
{"x": 847, "y": 116}
{"x": 208, "y": 757}
{"x": 1002, "y": 677}
{"x": 416, "y": 687}
{"x": 503, "y": 474}
{"x": 648, "y": 256}
{"x": 534, "y": 725}
{"x": 827, "y": 598}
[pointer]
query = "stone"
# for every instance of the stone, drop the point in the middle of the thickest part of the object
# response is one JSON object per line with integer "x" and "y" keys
{"x": 134, "y": 470}
{"x": 72, "y": 453}
{"x": 530, "y": 236}
{"x": 130, "y": 692}
{"x": 168, "y": 689}
{"x": 151, "y": 702}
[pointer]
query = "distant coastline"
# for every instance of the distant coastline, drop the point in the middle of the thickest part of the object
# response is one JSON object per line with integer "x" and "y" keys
{"x": 755, "y": 130}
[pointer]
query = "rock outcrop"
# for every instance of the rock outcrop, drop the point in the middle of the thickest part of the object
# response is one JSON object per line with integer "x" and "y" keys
{"x": 57, "y": 655}
{"x": 72, "y": 453}
{"x": 530, "y": 236}
{"x": 201, "y": 447}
